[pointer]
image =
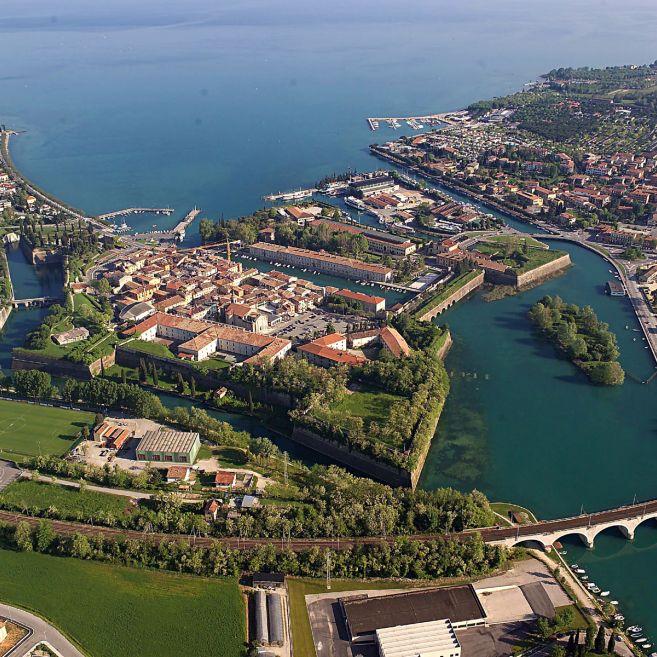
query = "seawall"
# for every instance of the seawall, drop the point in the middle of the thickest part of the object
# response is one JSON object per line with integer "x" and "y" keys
{"x": 453, "y": 298}
{"x": 539, "y": 274}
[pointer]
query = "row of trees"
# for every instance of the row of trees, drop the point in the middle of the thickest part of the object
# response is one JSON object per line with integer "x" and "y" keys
{"x": 401, "y": 559}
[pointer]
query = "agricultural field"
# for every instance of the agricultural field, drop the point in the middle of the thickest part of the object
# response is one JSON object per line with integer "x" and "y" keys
{"x": 127, "y": 611}
{"x": 74, "y": 503}
{"x": 30, "y": 429}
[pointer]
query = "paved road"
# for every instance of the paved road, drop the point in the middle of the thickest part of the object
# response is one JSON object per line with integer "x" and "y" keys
{"x": 8, "y": 473}
{"x": 41, "y": 631}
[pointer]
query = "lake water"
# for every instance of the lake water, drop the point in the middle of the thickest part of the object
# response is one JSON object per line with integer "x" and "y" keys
{"x": 212, "y": 104}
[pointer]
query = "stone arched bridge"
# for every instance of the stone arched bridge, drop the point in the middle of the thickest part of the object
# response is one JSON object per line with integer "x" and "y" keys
{"x": 586, "y": 526}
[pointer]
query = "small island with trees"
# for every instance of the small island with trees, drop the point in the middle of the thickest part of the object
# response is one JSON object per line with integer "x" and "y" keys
{"x": 578, "y": 334}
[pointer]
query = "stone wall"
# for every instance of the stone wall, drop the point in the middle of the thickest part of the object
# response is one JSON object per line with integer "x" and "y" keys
{"x": 127, "y": 357}
{"x": 4, "y": 315}
{"x": 26, "y": 360}
{"x": 457, "y": 295}
{"x": 335, "y": 450}
{"x": 544, "y": 271}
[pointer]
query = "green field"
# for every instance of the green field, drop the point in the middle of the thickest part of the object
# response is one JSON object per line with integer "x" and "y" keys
{"x": 371, "y": 406}
{"x": 70, "y": 501}
{"x": 535, "y": 256}
{"x": 30, "y": 430}
{"x": 113, "y": 611}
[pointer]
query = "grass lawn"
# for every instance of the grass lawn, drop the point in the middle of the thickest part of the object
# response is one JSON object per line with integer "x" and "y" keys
{"x": 114, "y": 611}
{"x": 153, "y": 348}
{"x": 579, "y": 621}
{"x": 30, "y": 429}
{"x": 73, "y": 502}
{"x": 371, "y": 406}
{"x": 81, "y": 300}
{"x": 504, "y": 509}
{"x": 211, "y": 364}
{"x": 536, "y": 256}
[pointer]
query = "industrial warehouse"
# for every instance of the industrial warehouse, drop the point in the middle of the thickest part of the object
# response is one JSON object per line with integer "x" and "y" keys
{"x": 487, "y": 618}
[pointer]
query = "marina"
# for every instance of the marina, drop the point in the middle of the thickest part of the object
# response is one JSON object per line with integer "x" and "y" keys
{"x": 418, "y": 122}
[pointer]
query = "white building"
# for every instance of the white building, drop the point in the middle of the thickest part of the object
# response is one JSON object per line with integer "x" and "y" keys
{"x": 430, "y": 639}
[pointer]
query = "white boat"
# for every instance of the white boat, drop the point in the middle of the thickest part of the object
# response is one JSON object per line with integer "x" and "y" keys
{"x": 574, "y": 565}
{"x": 604, "y": 594}
{"x": 619, "y": 617}
{"x": 634, "y": 628}
{"x": 614, "y": 602}
{"x": 580, "y": 571}
{"x": 595, "y": 589}
{"x": 647, "y": 645}
{"x": 584, "y": 577}
{"x": 641, "y": 640}
{"x": 590, "y": 585}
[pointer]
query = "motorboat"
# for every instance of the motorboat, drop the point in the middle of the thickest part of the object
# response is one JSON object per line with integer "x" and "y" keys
{"x": 619, "y": 617}
{"x": 614, "y": 602}
{"x": 590, "y": 585}
{"x": 595, "y": 589}
{"x": 584, "y": 578}
{"x": 641, "y": 640}
{"x": 634, "y": 628}
{"x": 580, "y": 571}
{"x": 574, "y": 565}
{"x": 604, "y": 594}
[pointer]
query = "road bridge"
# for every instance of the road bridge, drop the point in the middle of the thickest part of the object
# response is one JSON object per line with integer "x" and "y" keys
{"x": 38, "y": 302}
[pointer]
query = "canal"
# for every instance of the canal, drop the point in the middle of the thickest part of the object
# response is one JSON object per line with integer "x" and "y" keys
{"x": 522, "y": 425}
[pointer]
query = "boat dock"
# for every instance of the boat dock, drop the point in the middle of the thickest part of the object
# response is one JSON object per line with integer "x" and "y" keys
{"x": 418, "y": 122}
{"x": 177, "y": 233}
{"x": 126, "y": 211}
{"x": 290, "y": 196}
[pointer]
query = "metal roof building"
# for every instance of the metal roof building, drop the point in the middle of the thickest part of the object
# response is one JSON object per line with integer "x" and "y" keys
{"x": 365, "y": 615}
{"x": 430, "y": 639}
{"x": 261, "y": 625}
{"x": 169, "y": 446}
{"x": 275, "y": 617}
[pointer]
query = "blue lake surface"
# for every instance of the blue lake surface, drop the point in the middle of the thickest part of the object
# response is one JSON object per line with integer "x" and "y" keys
{"x": 215, "y": 104}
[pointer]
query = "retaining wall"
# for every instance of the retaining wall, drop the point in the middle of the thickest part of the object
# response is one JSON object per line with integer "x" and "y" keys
{"x": 355, "y": 460}
{"x": 457, "y": 295}
{"x": 544, "y": 271}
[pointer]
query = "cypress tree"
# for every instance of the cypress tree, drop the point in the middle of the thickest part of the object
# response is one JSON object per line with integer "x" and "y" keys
{"x": 600, "y": 640}
{"x": 156, "y": 381}
{"x": 192, "y": 386}
{"x": 611, "y": 644}
{"x": 590, "y": 637}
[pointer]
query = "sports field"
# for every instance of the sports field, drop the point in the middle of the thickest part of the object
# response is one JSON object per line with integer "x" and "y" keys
{"x": 113, "y": 611}
{"x": 30, "y": 429}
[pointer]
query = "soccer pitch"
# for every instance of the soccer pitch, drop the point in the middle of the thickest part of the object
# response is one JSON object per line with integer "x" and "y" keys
{"x": 29, "y": 429}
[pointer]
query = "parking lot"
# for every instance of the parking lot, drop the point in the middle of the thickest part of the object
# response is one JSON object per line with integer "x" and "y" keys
{"x": 303, "y": 327}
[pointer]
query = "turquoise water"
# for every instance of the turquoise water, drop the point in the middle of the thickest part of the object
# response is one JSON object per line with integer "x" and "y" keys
{"x": 216, "y": 104}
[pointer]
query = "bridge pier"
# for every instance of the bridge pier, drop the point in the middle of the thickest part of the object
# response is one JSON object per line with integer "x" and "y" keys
{"x": 626, "y": 531}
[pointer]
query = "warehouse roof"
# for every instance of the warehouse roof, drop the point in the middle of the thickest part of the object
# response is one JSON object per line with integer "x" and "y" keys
{"x": 366, "y": 615}
{"x": 168, "y": 441}
{"x": 431, "y": 638}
